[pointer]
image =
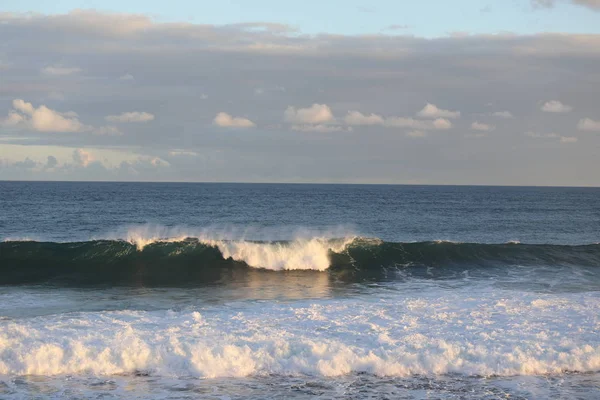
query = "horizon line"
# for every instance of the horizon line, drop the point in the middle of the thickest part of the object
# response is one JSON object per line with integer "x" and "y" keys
{"x": 303, "y": 183}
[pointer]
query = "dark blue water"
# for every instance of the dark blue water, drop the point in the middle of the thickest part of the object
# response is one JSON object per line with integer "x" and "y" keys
{"x": 155, "y": 290}
{"x": 80, "y": 211}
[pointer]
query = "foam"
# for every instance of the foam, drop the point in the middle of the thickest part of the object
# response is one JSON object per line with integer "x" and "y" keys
{"x": 303, "y": 252}
{"x": 443, "y": 332}
{"x": 311, "y": 254}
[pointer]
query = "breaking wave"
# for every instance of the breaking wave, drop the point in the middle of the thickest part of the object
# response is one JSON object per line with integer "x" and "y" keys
{"x": 183, "y": 259}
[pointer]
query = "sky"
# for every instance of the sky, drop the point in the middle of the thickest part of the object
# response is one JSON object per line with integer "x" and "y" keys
{"x": 428, "y": 92}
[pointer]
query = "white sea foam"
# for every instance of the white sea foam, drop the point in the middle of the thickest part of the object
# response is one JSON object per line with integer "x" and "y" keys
{"x": 303, "y": 251}
{"x": 460, "y": 331}
{"x": 310, "y": 254}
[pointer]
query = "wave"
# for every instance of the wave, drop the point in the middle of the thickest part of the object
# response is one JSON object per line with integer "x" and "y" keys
{"x": 438, "y": 333}
{"x": 181, "y": 260}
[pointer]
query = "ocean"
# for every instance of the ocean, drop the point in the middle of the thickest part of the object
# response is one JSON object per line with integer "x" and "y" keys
{"x": 236, "y": 291}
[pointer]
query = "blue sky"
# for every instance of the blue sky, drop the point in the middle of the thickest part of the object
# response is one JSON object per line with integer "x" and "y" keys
{"x": 428, "y": 18}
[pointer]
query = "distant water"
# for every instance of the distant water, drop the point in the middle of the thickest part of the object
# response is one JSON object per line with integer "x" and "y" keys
{"x": 147, "y": 290}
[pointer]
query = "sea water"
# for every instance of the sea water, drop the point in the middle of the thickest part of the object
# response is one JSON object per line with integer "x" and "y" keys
{"x": 148, "y": 290}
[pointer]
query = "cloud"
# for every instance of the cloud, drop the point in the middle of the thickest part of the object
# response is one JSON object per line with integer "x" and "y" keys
{"x": 359, "y": 119}
{"x": 182, "y": 153}
{"x": 227, "y": 121}
{"x": 432, "y": 111}
{"x": 502, "y": 114}
{"x": 143, "y": 166}
{"x": 562, "y": 139}
{"x": 134, "y": 116}
{"x": 593, "y": 4}
{"x": 416, "y": 134}
{"x": 82, "y": 157}
{"x": 480, "y": 126}
{"x": 441, "y": 123}
{"x": 555, "y": 106}
{"x": 51, "y": 162}
{"x": 26, "y": 164}
{"x": 315, "y": 114}
{"x": 408, "y": 122}
{"x": 319, "y": 128}
{"x": 386, "y": 78}
{"x": 60, "y": 70}
{"x": 588, "y": 124}
{"x": 126, "y": 77}
{"x": 159, "y": 162}
{"x": 42, "y": 118}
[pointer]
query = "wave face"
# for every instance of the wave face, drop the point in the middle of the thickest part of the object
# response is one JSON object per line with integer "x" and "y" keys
{"x": 192, "y": 260}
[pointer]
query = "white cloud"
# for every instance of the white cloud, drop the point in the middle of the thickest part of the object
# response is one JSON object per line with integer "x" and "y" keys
{"x": 134, "y": 116}
{"x": 432, "y": 111}
{"x": 320, "y": 128}
{"x": 480, "y": 126}
{"x": 182, "y": 153}
{"x": 588, "y": 124}
{"x": 323, "y": 113}
{"x": 357, "y": 118}
{"x": 315, "y": 114}
{"x": 407, "y": 122}
{"x": 60, "y": 70}
{"x": 126, "y": 77}
{"x": 537, "y": 135}
{"x": 227, "y": 121}
{"x": 42, "y": 119}
{"x": 502, "y": 114}
{"x": 416, "y": 134}
{"x": 13, "y": 119}
{"x": 143, "y": 164}
{"x": 555, "y": 106}
{"x": 562, "y": 139}
{"x": 82, "y": 157}
{"x": 158, "y": 162}
{"x": 441, "y": 123}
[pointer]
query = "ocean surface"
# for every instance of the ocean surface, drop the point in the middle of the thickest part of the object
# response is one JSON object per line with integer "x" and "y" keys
{"x": 235, "y": 291}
